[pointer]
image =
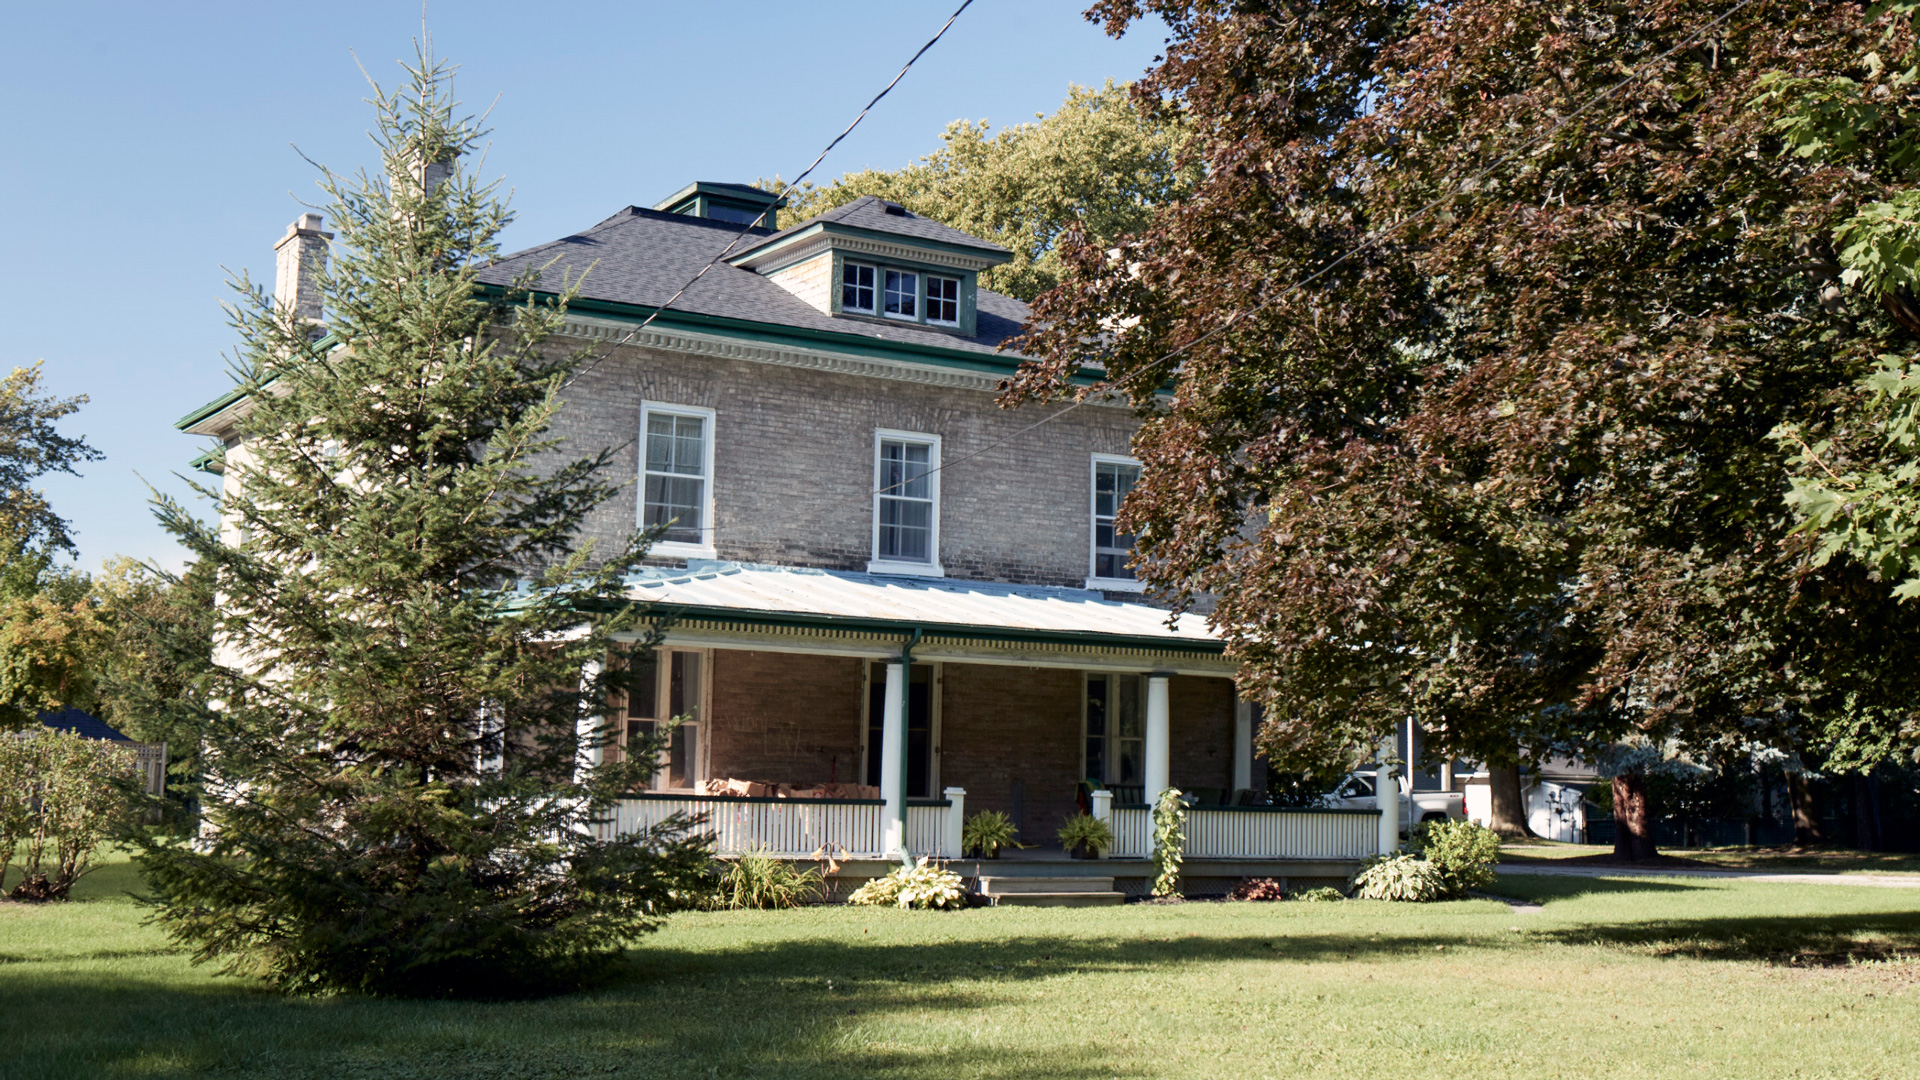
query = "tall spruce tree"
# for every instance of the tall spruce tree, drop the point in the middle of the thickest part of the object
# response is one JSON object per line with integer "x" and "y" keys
{"x": 401, "y": 793}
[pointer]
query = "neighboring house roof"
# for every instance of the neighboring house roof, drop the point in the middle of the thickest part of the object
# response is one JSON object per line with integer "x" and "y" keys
{"x": 642, "y": 257}
{"x": 943, "y": 606}
{"x": 877, "y": 215}
{"x": 81, "y": 723}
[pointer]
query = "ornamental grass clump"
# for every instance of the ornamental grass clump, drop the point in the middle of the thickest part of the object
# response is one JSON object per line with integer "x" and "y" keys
{"x": 1398, "y": 877}
{"x": 921, "y": 886}
{"x": 988, "y": 832}
{"x": 1463, "y": 854}
{"x": 761, "y": 879}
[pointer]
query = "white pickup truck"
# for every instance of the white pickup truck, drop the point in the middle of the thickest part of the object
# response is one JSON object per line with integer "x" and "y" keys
{"x": 1356, "y": 793}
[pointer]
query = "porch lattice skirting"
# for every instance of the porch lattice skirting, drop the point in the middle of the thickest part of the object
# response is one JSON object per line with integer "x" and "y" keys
{"x": 1253, "y": 832}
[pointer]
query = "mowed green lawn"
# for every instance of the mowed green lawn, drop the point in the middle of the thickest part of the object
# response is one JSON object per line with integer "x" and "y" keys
{"x": 1659, "y": 978}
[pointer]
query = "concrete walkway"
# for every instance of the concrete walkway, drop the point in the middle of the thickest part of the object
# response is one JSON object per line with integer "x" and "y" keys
{"x": 1880, "y": 881}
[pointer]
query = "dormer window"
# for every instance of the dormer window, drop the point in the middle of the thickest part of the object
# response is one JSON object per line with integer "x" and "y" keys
{"x": 903, "y": 295}
{"x": 856, "y": 288}
{"x": 943, "y": 300}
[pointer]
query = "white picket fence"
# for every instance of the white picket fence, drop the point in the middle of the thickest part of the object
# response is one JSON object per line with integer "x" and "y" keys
{"x": 796, "y": 828}
{"x": 1253, "y": 832}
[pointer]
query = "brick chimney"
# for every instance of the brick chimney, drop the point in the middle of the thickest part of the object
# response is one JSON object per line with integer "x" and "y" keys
{"x": 299, "y": 257}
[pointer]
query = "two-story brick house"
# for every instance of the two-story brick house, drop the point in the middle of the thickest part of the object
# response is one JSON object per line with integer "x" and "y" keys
{"x": 871, "y": 574}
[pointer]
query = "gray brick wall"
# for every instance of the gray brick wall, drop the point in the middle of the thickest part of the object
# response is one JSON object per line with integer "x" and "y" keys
{"x": 794, "y": 463}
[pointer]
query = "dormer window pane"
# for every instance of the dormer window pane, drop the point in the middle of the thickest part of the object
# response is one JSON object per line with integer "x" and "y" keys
{"x": 903, "y": 295}
{"x": 943, "y": 300}
{"x": 856, "y": 288}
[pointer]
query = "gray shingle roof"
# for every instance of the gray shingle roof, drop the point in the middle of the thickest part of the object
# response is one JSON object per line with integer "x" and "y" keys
{"x": 870, "y": 212}
{"x": 643, "y": 256}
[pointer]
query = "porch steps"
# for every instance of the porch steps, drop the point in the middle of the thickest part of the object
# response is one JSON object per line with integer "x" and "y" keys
{"x": 1049, "y": 891}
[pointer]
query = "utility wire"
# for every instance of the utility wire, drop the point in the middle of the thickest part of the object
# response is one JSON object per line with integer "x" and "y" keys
{"x": 1371, "y": 237}
{"x": 790, "y": 185}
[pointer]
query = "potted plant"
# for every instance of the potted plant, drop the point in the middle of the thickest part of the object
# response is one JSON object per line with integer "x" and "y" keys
{"x": 1086, "y": 837}
{"x": 986, "y": 832}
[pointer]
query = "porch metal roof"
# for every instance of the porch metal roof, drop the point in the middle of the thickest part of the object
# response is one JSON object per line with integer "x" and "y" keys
{"x": 937, "y": 605}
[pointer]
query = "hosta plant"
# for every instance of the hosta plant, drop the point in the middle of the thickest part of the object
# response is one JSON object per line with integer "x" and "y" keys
{"x": 921, "y": 885}
{"x": 1398, "y": 877}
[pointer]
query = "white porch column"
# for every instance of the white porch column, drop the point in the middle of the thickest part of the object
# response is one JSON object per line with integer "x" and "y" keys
{"x": 588, "y": 753}
{"x": 1159, "y": 752}
{"x": 1386, "y": 795}
{"x": 1103, "y": 810}
{"x": 1242, "y": 744}
{"x": 893, "y": 777}
{"x": 956, "y": 815}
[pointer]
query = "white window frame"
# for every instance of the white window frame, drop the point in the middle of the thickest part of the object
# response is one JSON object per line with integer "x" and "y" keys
{"x": 680, "y": 548}
{"x": 932, "y": 567}
{"x": 875, "y": 290}
{"x": 926, "y": 298}
{"x": 1093, "y": 526}
{"x": 919, "y": 294}
{"x": 701, "y": 725}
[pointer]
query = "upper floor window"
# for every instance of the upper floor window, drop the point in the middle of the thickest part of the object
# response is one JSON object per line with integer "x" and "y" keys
{"x": 1113, "y": 477}
{"x": 906, "y": 510}
{"x": 943, "y": 300}
{"x": 903, "y": 295}
{"x": 678, "y": 473}
{"x": 856, "y": 288}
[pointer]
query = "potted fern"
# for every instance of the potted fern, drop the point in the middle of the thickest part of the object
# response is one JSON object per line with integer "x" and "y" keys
{"x": 986, "y": 833}
{"x": 1086, "y": 837}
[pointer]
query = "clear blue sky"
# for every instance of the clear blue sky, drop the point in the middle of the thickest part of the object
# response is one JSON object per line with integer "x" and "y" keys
{"x": 149, "y": 145}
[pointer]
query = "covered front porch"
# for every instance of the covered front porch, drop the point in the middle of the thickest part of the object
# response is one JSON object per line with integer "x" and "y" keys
{"x": 862, "y": 719}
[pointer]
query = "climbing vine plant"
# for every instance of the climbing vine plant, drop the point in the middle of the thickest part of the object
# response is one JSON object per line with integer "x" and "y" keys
{"x": 1169, "y": 836}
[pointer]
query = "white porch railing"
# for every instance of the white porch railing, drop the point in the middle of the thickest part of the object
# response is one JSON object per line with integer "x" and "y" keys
{"x": 799, "y": 828}
{"x": 1253, "y": 832}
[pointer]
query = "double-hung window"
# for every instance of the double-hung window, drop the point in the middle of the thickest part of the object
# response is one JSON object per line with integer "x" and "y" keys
{"x": 665, "y": 703}
{"x": 903, "y": 295}
{"x": 677, "y": 468}
{"x": 1115, "y": 743}
{"x": 856, "y": 288}
{"x": 943, "y": 300}
{"x": 1113, "y": 477}
{"x": 906, "y": 503}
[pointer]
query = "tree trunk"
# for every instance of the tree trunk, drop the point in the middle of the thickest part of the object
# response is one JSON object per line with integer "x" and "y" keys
{"x": 1632, "y": 823}
{"x": 1806, "y": 828}
{"x": 1509, "y": 812}
{"x": 1866, "y": 813}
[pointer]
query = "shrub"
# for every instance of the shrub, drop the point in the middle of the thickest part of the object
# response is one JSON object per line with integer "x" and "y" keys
{"x": 1397, "y": 877}
{"x": 1462, "y": 853}
{"x": 60, "y": 795}
{"x": 917, "y": 886}
{"x": 986, "y": 833}
{"x": 760, "y": 879}
{"x": 1264, "y": 888}
{"x": 1086, "y": 831}
{"x": 1322, "y": 895}
{"x": 1169, "y": 836}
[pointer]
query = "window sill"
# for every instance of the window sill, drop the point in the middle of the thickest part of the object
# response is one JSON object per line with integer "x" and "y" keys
{"x": 680, "y": 549}
{"x": 1117, "y": 584}
{"x": 905, "y": 569}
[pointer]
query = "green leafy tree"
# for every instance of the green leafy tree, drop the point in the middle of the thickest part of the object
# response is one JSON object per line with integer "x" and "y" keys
{"x": 152, "y": 678}
{"x": 31, "y": 446}
{"x": 1481, "y": 318}
{"x": 52, "y": 643}
{"x": 1096, "y": 167}
{"x": 402, "y": 792}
